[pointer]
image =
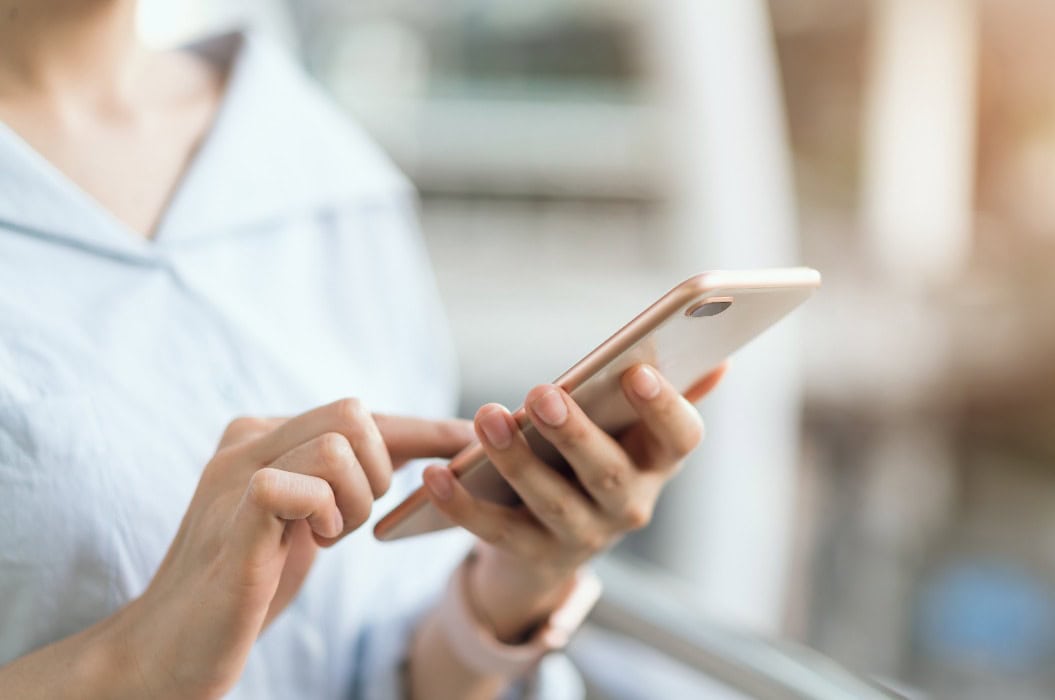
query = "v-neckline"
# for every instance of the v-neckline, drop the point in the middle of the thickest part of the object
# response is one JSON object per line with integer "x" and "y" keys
{"x": 74, "y": 190}
{"x": 278, "y": 148}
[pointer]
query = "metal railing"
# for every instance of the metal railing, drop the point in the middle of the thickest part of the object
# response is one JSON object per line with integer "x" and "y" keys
{"x": 647, "y": 609}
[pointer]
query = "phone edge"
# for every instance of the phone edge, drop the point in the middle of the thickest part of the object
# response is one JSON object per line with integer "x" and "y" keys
{"x": 619, "y": 341}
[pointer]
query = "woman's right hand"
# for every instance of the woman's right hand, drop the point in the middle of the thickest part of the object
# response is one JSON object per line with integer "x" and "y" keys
{"x": 274, "y": 492}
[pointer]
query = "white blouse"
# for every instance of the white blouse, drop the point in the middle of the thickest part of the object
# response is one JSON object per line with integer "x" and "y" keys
{"x": 287, "y": 272}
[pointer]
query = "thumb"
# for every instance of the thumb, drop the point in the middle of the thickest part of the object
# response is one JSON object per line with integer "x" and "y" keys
{"x": 409, "y": 438}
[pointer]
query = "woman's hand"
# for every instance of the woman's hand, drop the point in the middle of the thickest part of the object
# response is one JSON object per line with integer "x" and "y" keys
{"x": 530, "y": 553}
{"x": 275, "y": 491}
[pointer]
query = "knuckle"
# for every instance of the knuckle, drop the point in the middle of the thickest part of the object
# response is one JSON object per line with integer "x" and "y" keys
{"x": 349, "y": 411}
{"x": 608, "y": 480}
{"x": 556, "y": 507}
{"x": 264, "y": 486}
{"x": 244, "y": 423}
{"x": 243, "y": 426}
{"x": 333, "y": 450}
{"x": 637, "y": 515}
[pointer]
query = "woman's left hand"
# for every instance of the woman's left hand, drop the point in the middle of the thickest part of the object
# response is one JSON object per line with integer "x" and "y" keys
{"x": 530, "y": 553}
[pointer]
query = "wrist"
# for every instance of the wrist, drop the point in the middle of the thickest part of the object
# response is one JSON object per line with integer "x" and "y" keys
{"x": 142, "y": 647}
{"x": 476, "y": 643}
{"x": 102, "y": 665}
{"x": 512, "y": 596}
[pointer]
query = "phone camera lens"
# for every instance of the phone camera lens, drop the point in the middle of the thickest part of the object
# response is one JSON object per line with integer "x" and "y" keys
{"x": 709, "y": 307}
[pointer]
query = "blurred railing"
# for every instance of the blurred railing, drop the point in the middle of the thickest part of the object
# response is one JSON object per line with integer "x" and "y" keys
{"x": 646, "y": 639}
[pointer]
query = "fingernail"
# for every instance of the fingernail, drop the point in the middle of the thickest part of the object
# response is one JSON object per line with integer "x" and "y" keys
{"x": 438, "y": 480}
{"x": 496, "y": 428}
{"x": 645, "y": 383}
{"x": 550, "y": 408}
{"x": 338, "y": 523}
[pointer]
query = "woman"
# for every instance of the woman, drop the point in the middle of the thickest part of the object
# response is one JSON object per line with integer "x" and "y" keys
{"x": 190, "y": 236}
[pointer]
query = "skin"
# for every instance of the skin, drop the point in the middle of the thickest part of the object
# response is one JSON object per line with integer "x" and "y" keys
{"x": 122, "y": 123}
{"x": 119, "y": 121}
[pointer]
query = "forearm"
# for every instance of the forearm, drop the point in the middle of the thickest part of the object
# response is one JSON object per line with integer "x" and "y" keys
{"x": 90, "y": 664}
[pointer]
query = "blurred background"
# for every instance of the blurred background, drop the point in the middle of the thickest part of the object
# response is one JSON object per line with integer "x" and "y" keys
{"x": 878, "y": 483}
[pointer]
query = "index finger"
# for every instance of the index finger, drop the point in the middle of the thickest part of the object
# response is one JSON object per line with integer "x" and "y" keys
{"x": 404, "y": 438}
{"x": 410, "y": 438}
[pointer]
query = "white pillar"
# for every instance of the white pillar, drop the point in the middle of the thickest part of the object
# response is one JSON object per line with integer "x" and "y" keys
{"x": 919, "y": 134}
{"x": 917, "y": 215}
{"x": 726, "y": 524}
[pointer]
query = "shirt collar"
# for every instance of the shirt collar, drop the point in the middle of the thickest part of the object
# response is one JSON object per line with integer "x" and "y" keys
{"x": 277, "y": 148}
{"x": 37, "y": 199}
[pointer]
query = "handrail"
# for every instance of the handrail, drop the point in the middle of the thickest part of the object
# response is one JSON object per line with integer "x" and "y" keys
{"x": 654, "y": 609}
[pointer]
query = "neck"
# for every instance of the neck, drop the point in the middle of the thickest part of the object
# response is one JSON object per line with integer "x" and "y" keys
{"x": 69, "y": 48}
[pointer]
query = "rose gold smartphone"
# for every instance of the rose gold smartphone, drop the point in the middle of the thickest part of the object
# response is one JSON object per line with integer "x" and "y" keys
{"x": 685, "y": 335}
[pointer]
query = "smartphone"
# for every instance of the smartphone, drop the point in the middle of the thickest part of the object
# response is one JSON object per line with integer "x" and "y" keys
{"x": 686, "y": 334}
